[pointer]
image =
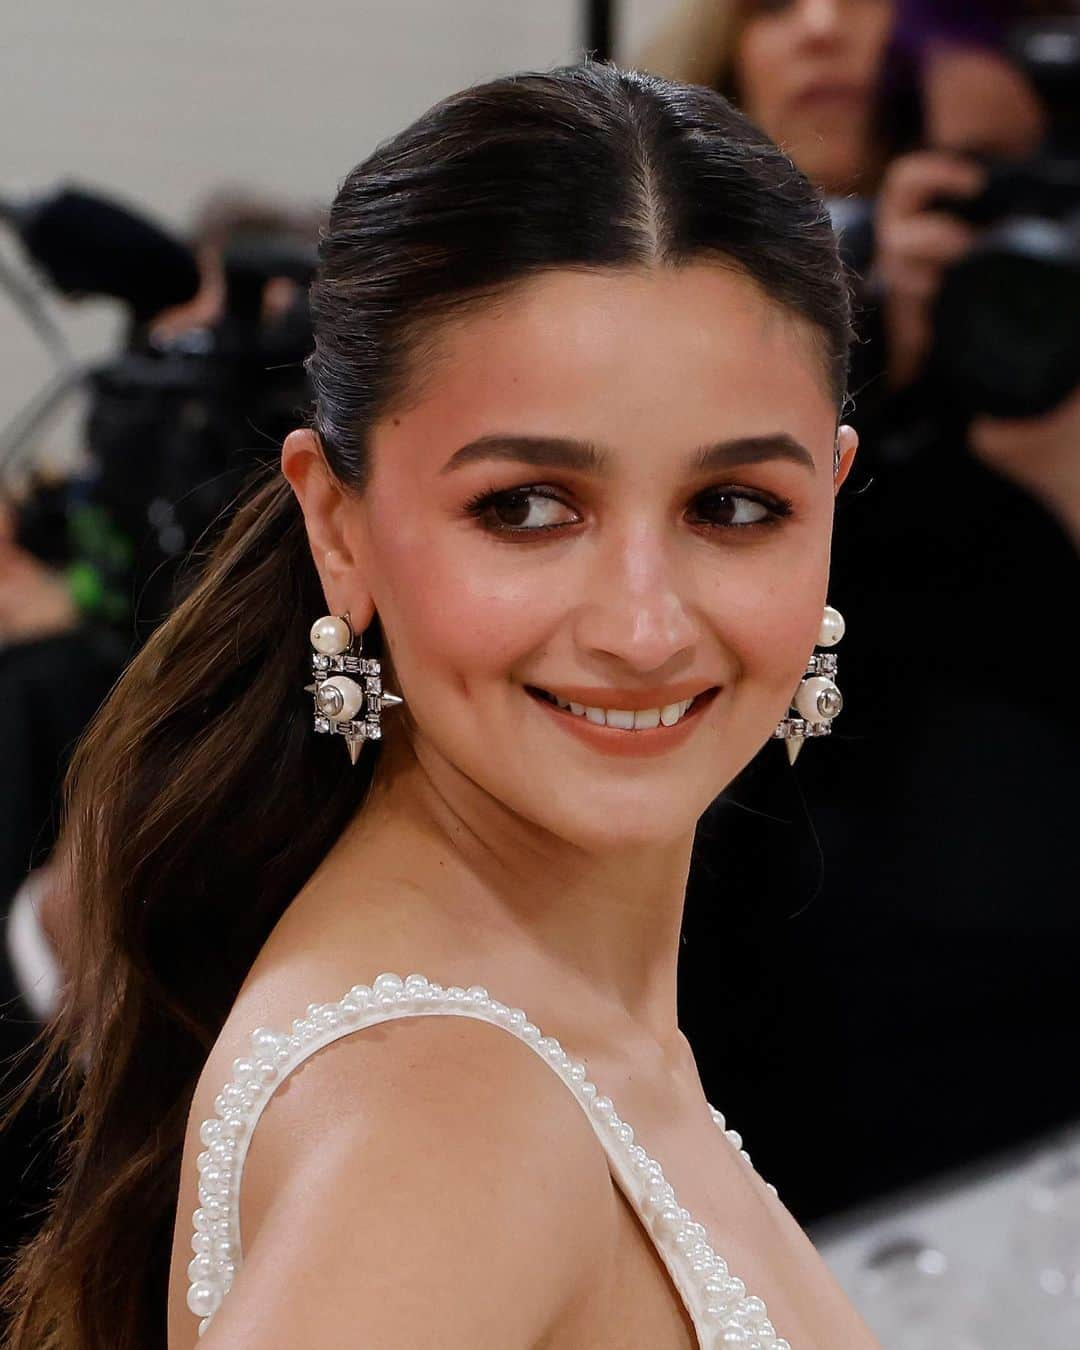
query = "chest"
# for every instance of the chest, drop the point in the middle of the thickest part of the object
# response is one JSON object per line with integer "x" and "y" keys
{"x": 649, "y": 1286}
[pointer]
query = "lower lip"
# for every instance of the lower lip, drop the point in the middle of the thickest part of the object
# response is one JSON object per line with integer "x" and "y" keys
{"x": 614, "y": 741}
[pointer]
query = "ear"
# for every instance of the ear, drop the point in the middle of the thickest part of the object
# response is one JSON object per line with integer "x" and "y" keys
{"x": 332, "y": 522}
{"x": 847, "y": 441}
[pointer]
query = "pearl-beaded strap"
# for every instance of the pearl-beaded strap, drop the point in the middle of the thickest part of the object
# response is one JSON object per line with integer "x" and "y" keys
{"x": 723, "y": 1312}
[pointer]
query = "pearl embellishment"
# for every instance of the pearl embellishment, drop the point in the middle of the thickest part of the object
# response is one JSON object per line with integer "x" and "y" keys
{"x": 339, "y": 698}
{"x": 818, "y": 699}
{"x": 725, "y": 1315}
{"x": 832, "y": 627}
{"x": 331, "y": 635}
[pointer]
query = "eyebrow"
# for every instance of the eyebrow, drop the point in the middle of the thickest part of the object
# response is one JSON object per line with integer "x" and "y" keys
{"x": 564, "y": 452}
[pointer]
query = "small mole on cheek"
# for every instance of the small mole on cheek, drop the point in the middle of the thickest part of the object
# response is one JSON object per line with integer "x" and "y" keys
{"x": 397, "y": 421}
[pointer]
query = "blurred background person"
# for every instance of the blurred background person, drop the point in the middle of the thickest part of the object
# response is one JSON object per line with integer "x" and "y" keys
{"x": 822, "y": 77}
{"x": 935, "y": 933}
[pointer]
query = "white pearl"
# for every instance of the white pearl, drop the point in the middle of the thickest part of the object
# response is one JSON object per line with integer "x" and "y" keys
{"x": 832, "y": 627}
{"x": 212, "y": 1181}
{"x": 264, "y": 1043}
{"x": 234, "y": 1097}
{"x": 339, "y": 698}
{"x": 818, "y": 699}
{"x": 331, "y": 635}
{"x": 199, "y": 1267}
{"x": 209, "y": 1131}
{"x": 388, "y": 983}
{"x": 204, "y": 1298}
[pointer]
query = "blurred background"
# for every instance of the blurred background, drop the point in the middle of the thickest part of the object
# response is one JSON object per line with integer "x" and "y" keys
{"x": 879, "y": 967}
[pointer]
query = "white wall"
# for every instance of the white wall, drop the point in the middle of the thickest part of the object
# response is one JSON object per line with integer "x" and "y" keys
{"x": 158, "y": 102}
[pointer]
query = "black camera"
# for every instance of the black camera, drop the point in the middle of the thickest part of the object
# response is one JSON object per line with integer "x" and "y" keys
{"x": 1005, "y": 319}
{"x": 175, "y": 429}
{"x": 176, "y": 426}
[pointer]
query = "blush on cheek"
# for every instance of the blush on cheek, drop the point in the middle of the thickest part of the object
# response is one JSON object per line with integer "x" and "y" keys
{"x": 460, "y": 619}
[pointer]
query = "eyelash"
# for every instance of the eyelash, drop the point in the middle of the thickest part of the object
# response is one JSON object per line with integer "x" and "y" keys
{"x": 482, "y": 505}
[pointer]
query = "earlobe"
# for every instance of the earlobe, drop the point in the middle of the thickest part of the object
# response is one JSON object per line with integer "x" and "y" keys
{"x": 330, "y": 528}
{"x": 847, "y": 442}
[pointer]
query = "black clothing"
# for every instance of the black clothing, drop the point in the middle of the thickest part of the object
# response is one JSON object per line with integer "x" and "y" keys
{"x": 920, "y": 1010}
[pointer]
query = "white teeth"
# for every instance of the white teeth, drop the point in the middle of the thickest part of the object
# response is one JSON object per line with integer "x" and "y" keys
{"x": 623, "y": 719}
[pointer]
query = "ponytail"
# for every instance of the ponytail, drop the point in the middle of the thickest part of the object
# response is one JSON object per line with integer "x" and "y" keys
{"x": 198, "y": 803}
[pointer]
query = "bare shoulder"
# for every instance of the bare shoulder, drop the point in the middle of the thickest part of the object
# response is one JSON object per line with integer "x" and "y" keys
{"x": 427, "y": 1178}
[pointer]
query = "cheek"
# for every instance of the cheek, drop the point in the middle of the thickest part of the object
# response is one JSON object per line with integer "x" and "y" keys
{"x": 755, "y": 70}
{"x": 770, "y": 621}
{"x": 452, "y": 608}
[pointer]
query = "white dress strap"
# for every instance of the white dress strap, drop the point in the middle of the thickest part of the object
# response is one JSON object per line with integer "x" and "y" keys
{"x": 721, "y": 1309}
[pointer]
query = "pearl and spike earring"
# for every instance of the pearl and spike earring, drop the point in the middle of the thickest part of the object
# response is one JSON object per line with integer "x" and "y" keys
{"x": 817, "y": 699}
{"x": 344, "y": 706}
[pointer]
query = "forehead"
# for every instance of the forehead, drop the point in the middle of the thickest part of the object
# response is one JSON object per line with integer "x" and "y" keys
{"x": 625, "y": 356}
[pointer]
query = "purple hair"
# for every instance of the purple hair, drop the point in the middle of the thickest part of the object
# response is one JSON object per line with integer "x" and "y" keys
{"x": 970, "y": 23}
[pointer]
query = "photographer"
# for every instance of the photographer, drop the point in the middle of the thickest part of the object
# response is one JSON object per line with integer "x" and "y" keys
{"x": 979, "y": 109}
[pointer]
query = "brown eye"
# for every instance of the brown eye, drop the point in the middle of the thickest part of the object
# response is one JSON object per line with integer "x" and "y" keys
{"x": 523, "y": 511}
{"x": 736, "y": 510}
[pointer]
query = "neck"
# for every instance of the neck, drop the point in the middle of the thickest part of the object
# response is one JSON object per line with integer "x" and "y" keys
{"x": 608, "y": 922}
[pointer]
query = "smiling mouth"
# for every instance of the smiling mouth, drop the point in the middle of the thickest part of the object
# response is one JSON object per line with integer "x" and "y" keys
{"x": 625, "y": 719}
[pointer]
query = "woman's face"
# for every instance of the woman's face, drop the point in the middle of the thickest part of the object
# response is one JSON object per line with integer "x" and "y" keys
{"x": 807, "y": 72}
{"x": 615, "y": 490}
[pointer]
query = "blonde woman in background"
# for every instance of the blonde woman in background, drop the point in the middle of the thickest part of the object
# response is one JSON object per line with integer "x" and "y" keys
{"x": 809, "y": 72}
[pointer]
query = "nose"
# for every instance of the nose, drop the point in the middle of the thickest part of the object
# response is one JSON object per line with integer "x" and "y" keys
{"x": 821, "y": 18}
{"x": 636, "y": 608}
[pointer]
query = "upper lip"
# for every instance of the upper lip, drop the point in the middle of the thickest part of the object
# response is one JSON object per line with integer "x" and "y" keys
{"x": 628, "y": 700}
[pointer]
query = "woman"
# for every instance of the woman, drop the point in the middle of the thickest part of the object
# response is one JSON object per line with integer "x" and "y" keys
{"x": 581, "y": 342}
{"x": 813, "y": 74}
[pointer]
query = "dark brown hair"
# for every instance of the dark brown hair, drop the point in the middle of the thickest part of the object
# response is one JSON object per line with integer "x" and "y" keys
{"x": 199, "y": 801}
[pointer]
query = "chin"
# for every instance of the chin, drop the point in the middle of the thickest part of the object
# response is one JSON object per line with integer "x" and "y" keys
{"x": 612, "y": 821}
